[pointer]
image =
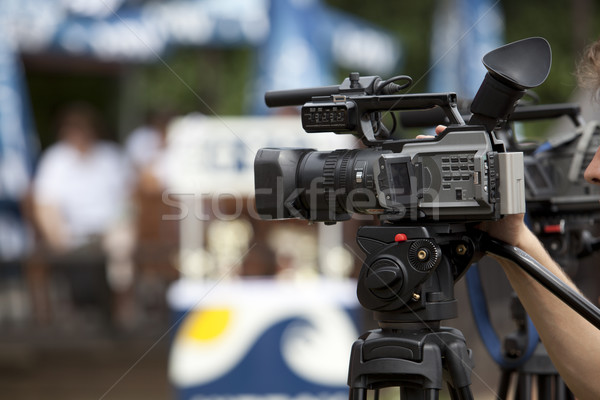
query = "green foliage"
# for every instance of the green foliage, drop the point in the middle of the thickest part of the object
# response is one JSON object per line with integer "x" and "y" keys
{"x": 409, "y": 21}
{"x": 210, "y": 81}
{"x": 50, "y": 91}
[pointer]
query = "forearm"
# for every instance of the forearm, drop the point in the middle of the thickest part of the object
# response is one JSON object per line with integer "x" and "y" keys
{"x": 572, "y": 343}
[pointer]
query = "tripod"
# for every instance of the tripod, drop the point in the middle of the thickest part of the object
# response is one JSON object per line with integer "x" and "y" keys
{"x": 409, "y": 284}
{"x": 537, "y": 373}
{"x": 407, "y": 280}
{"x": 415, "y": 358}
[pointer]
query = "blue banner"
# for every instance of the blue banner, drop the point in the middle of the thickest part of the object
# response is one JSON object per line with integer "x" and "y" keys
{"x": 463, "y": 32}
{"x": 305, "y": 41}
{"x": 18, "y": 151}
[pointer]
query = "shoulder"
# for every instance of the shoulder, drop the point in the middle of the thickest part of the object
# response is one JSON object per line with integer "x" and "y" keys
{"x": 56, "y": 155}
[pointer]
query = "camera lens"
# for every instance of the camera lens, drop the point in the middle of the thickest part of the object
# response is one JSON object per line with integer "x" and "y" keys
{"x": 335, "y": 184}
{"x": 316, "y": 185}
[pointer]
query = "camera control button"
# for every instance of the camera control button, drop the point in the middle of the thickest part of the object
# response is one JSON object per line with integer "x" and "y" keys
{"x": 400, "y": 237}
{"x": 359, "y": 176}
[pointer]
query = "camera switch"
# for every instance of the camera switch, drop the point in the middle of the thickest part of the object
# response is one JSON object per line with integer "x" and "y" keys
{"x": 459, "y": 194}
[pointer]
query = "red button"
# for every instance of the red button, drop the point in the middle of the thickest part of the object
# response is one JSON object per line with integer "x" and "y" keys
{"x": 400, "y": 237}
{"x": 553, "y": 228}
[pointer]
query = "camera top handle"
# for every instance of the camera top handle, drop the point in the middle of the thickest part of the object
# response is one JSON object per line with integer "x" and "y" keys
{"x": 356, "y": 105}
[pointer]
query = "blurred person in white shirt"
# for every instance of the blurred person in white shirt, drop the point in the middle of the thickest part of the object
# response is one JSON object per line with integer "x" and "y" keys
{"x": 81, "y": 196}
{"x": 146, "y": 149}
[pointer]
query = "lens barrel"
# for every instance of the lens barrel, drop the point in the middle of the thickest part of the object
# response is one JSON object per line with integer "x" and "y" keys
{"x": 315, "y": 185}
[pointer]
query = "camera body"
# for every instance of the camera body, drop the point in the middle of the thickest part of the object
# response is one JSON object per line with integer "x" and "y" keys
{"x": 460, "y": 175}
{"x": 464, "y": 173}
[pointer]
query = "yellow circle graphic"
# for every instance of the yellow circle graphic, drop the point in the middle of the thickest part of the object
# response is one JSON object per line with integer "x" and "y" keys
{"x": 206, "y": 325}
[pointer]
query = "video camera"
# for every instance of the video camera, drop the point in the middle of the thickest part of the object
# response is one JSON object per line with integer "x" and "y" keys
{"x": 465, "y": 173}
{"x": 563, "y": 208}
{"x": 554, "y": 169}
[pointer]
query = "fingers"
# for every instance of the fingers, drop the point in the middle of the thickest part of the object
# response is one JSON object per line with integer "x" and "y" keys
{"x": 438, "y": 129}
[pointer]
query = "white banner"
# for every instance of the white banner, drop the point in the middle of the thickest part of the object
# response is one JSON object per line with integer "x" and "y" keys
{"x": 212, "y": 155}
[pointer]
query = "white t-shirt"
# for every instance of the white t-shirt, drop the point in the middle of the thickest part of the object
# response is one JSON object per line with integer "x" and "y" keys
{"x": 91, "y": 190}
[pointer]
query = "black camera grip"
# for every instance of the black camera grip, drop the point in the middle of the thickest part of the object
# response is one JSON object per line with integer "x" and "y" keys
{"x": 547, "y": 279}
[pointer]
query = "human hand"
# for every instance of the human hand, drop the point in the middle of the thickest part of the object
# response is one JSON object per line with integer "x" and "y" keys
{"x": 438, "y": 129}
{"x": 510, "y": 229}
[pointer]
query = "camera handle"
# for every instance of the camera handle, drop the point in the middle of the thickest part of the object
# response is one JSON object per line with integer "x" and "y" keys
{"x": 538, "y": 272}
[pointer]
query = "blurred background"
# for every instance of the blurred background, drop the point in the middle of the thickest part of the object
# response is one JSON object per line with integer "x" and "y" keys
{"x": 132, "y": 263}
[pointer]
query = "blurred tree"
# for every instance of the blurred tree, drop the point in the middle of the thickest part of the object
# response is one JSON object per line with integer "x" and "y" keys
{"x": 566, "y": 25}
{"x": 208, "y": 80}
{"x": 410, "y": 21}
{"x": 52, "y": 83}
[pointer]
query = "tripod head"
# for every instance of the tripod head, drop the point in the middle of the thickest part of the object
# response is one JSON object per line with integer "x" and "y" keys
{"x": 409, "y": 272}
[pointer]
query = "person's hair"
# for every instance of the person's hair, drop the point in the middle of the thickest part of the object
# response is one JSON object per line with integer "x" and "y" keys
{"x": 82, "y": 115}
{"x": 588, "y": 69}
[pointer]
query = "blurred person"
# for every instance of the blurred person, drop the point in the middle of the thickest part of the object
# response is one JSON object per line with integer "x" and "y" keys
{"x": 156, "y": 238}
{"x": 80, "y": 198}
{"x": 145, "y": 147}
{"x": 588, "y": 70}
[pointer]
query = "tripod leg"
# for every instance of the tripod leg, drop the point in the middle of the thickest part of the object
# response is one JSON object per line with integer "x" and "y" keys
{"x": 458, "y": 362}
{"x": 559, "y": 388}
{"x": 407, "y": 393}
{"x": 463, "y": 393}
{"x": 431, "y": 394}
{"x": 453, "y": 393}
{"x": 544, "y": 387}
{"x": 524, "y": 387}
{"x": 504, "y": 384}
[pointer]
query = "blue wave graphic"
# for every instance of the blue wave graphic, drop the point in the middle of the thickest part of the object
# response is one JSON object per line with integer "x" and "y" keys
{"x": 263, "y": 371}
